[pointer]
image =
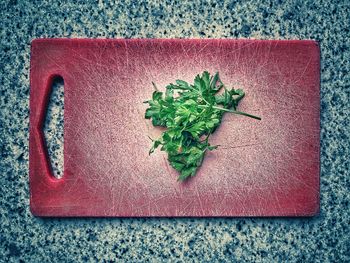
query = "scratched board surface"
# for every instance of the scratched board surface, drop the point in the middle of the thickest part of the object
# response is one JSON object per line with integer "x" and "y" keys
{"x": 264, "y": 168}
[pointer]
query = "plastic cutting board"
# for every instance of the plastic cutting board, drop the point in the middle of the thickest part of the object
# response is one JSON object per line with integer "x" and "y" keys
{"x": 264, "y": 168}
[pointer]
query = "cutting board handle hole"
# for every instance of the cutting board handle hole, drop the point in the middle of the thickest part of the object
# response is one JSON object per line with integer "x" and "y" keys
{"x": 54, "y": 125}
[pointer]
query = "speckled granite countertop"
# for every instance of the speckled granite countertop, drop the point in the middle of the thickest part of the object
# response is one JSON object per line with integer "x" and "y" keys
{"x": 325, "y": 238}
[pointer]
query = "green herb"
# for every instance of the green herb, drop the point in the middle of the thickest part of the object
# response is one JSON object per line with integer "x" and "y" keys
{"x": 191, "y": 113}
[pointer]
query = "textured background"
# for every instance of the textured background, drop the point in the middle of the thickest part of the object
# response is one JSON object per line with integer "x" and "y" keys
{"x": 324, "y": 238}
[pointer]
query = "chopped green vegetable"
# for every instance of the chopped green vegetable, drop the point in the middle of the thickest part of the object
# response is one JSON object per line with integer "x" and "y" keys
{"x": 191, "y": 113}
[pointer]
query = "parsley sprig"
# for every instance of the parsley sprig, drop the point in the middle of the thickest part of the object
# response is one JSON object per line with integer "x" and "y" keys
{"x": 191, "y": 113}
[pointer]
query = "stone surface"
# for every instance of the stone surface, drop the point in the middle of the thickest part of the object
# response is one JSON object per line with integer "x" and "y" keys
{"x": 324, "y": 238}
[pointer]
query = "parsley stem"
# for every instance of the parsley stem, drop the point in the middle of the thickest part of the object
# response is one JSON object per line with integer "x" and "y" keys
{"x": 233, "y": 111}
{"x": 237, "y": 112}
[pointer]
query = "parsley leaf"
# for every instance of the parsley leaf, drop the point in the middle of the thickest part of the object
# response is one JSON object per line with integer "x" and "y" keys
{"x": 191, "y": 113}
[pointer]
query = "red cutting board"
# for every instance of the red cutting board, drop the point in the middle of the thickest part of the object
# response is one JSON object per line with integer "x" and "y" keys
{"x": 264, "y": 168}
